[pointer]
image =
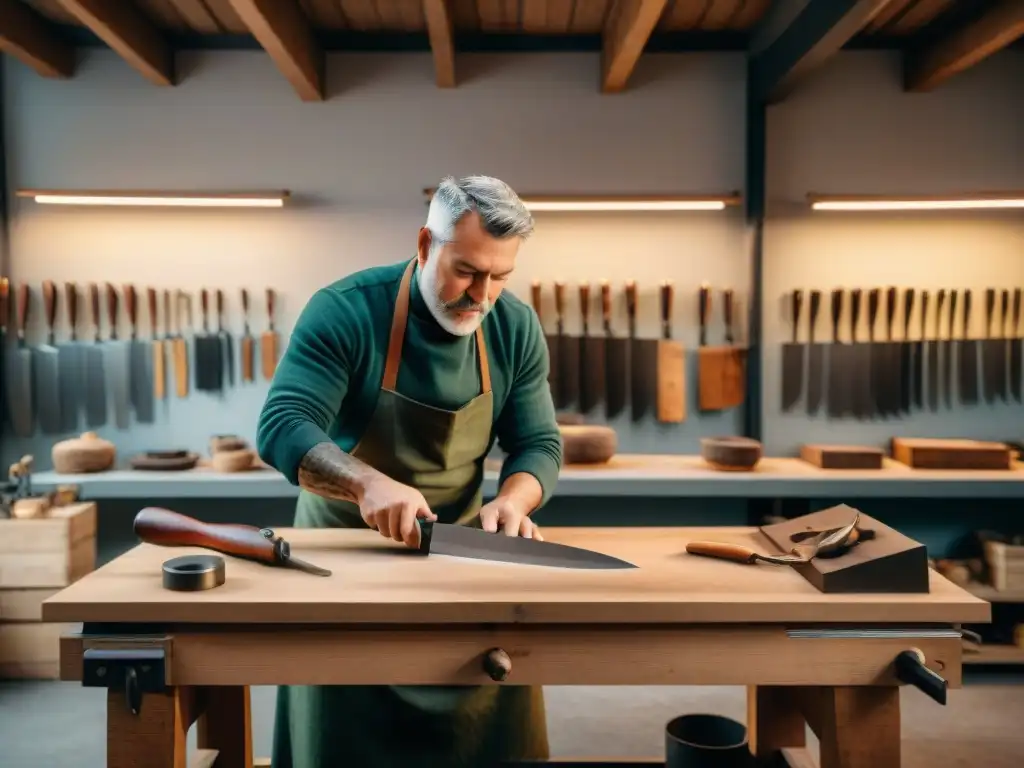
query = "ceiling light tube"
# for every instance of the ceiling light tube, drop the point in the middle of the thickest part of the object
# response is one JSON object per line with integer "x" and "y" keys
{"x": 607, "y": 203}
{"x": 967, "y": 201}
{"x": 159, "y": 199}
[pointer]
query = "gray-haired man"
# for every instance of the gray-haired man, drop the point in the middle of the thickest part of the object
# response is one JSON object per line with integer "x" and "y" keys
{"x": 395, "y": 384}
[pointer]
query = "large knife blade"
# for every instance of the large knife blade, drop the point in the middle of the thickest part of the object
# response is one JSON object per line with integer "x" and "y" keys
{"x": 934, "y": 348}
{"x": 46, "y": 367}
{"x": 906, "y": 354}
{"x": 568, "y": 355}
{"x": 890, "y": 379}
{"x": 793, "y": 356}
{"x": 947, "y": 358}
{"x": 876, "y": 358}
{"x": 815, "y": 357}
{"x": 838, "y": 386}
{"x": 1002, "y": 352}
{"x": 592, "y": 357}
{"x": 969, "y": 390}
{"x": 616, "y": 362}
{"x": 918, "y": 353}
{"x": 1015, "y": 349}
{"x": 477, "y": 544}
{"x": 551, "y": 340}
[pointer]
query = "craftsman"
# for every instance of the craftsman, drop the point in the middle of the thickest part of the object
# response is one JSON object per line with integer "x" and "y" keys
{"x": 395, "y": 384}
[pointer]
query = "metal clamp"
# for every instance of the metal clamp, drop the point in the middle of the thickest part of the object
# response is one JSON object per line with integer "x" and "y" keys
{"x": 136, "y": 671}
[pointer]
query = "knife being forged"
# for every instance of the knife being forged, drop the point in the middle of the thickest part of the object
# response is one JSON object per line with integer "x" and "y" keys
{"x": 477, "y": 544}
{"x": 165, "y": 528}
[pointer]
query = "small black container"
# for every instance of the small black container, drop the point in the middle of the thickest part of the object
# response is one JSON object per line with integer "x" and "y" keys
{"x": 706, "y": 741}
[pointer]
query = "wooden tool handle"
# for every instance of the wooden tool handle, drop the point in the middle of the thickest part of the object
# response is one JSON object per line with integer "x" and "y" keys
{"x": 967, "y": 309}
{"x": 168, "y": 317}
{"x": 165, "y": 528}
{"x": 667, "y": 292}
{"x": 606, "y": 301}
{"x": 855, "y": 297}
{"x": 247, "y": 358}
{"x": 220, "y": 310}
{"x": 1016, "y": 310}
{"x": 796, "y": 304}
{"x": 727, "y": 306}
{"x": 5, "y": 306}
{"x": 813, "y": 319}
{"x": 270, "y": 308}
{"x": 151, "y": 302}
{"x": 584, "y": 304}
{"x": 559, "y": 298}
{"x": 94, "y": 306}
{"x": 631, "y": 298}
{"x": 908, "y": 309}
{"x": 990, "y": 309}
{"x": 21, "y": 310}
{"x": 49, "y": 304}
{"x": 890, "y": 310}
{"x": 925, "y": 297}
{"x": 112, "y": 309}
{"x": 131, "y": 306}
{"x": 204, "y": 307}
{"x": 874, "y": 295}
{"x": 837, "y": 312}
{"x": 535, "y": 296}
{"x": 952, "y": 310}
{"x": 733, "y": 552}
{"x": 940, "y": 303}
{"x": 1004, "y": 312}
{"x": 704, "y": 304}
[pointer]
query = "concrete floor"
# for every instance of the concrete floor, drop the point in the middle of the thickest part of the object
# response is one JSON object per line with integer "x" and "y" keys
{"x": 61, "y": 725}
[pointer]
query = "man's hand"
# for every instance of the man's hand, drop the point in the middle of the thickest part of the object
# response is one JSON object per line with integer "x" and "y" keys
{"x": 393, "y": 508}
{"x": 509, "y": 517}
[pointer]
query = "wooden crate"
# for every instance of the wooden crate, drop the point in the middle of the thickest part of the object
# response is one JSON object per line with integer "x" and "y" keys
{"x": 38, "y": 558}
{"x": 1005, "y": 565}
{"x": 932, "y": 453}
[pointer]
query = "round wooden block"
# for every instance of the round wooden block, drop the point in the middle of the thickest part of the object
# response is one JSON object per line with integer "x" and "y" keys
{"x": 587, "y": 443}
{"x": 87, "y": 453}
{"x": 233, "y": 461}
{"x": 730, "y": 454}
{"x": 165, "y": 460}
{"x": 220, "y": 443}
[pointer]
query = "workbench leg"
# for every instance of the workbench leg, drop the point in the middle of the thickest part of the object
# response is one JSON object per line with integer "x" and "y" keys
{"x": 774, "y": 721}
{"x": 858, "y": 727}
{"x": 154, "y": 738}
{"x": 226, "y": 725}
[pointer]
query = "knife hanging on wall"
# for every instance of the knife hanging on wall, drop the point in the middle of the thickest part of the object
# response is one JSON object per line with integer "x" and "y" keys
{"x": 1016, "y": 353}
{"x": 248, "y": 343}
{"x": 947, "y": 359}
{"x": 616, "y": 362}
{"x": 906, "y": 354}
{"x": 1002, "y": 351}
{"x": 969, "y": 357}
{"x": 227, "y": 348}
{"x": 95, "y": 367}
{"x": 793, "y": 355}
{"x": 592, "y": 360}
{"x": 918, "y": 354}
{"x": 815, "y": 356}
{"x": 876, "y": 366}
{"x": 568, "y": 355}
{"x": 838, "y": 385}
{"x": 70, "y": 365}
{"x": 861, "y": 356}
{"x": 46, "y": 373}
{"x": 936, "y": 353}
{"x": 892, "y": 376}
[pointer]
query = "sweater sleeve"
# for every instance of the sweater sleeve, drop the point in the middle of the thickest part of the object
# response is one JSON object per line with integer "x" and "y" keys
{"x": 526, "y": 428}
{"x": 309, "y": 384}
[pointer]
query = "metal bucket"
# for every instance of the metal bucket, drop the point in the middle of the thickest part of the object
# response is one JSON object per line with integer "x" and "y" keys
{"x": 706, "y": 741}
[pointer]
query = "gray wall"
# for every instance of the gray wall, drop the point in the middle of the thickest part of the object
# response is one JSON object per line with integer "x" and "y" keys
{"x": 358, "y": 162}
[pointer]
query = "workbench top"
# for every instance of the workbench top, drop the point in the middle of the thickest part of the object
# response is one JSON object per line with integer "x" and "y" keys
{"x": 376, "y": 580}
{"x": 624, "y": 475}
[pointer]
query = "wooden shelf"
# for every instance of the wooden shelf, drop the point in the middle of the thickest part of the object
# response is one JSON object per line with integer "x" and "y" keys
{"x": 994, "y": 654}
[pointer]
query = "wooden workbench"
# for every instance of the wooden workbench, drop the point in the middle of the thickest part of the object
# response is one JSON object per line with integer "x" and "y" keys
{"x": 390, "y": 616}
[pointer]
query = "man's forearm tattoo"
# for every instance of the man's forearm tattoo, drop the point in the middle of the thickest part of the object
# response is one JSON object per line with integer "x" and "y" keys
{"x": 328, "y": 471}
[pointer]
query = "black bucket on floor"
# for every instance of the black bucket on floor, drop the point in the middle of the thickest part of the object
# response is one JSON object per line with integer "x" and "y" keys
{"x": 706, "y": 741}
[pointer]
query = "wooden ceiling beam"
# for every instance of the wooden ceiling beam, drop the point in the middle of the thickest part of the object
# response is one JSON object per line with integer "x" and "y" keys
{"x": 27, "y": 36}
{"x": 999, "y": 27}
{"x": 813, "y": 34}
{"x": 442, "y": 40}
{"x": 123, "y": 27}
{"x": 626, "y": 32}
{"x": 281, "y": 27}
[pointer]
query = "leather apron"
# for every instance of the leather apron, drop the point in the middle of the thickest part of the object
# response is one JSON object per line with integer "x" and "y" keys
{"x": 440, "y": 453}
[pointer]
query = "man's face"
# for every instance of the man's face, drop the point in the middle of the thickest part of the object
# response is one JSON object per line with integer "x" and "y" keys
{"x": 465, "y": 277}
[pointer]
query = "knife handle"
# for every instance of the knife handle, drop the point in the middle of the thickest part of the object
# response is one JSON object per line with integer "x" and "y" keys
{"x": 940, "y": 302}
{"x": 165, "y": 528}
{"x": 727, "y": 306}
{"x": 5, "y": 305}
{"x": 667, "y": 292}
{"x": 220, "y": 306}
{"x": 704, "y": 304}
{"x": 168, "y": 316}
{"x": 815, "y": 308}
{"x": 204, "y": 306}
{"x": 990, "y": 310}
{"x": 131, "y": 306}
{"x": 584, "y": 304}
{"x": 1016, "y": 310}
{"x": 151, "y": 303}
{"x": 1004, "y": 313}
{"x": 924, "y": 314}
{"x": 967, "y": 310}
{"x": 874, "y": 295}
{"x": 855, "y": 296}
{"x": 631, "y": 300}
{"x": 837, "y": 312}
{"x": 21, "y": 309}
{"x": 94, "y": 306}
{"x": 733, "y": 552}
{"x": 112, "y": 306}
{"x": 796, "y": 304}
{"x": 908, "y": 310}
{"x": 71, "y": 299}
{"x": 952, "y": 311}
{"x": 535, "y": 296}
{"x": 890, "y": 310}
{"x": 560, "y": 299}
{"x": 270, "y": 308}
{"x": 606, "y": 301}
{"x": 49, "y": 304}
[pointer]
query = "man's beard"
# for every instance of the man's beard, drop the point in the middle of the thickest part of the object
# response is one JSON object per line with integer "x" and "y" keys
{"x": 443, "y": 310}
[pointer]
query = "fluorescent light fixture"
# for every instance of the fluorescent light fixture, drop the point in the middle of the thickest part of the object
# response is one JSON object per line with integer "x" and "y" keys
{"x": 969, "y": 201}
{"x": 161, "y": 199}
{"x": 607, "y": 203}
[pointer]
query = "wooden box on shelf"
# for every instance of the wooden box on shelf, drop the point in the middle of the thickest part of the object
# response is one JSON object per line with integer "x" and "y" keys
{"x": 931, "y": 453}
{"x": 1005, "y": 566}
{"x": 39, "y": 557}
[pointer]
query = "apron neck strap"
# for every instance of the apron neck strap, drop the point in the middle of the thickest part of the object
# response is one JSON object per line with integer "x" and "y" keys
{"x": 398, "y": 322}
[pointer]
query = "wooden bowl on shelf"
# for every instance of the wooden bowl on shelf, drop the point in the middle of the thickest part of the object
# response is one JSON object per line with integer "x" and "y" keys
{"x": 587, "y": 443}
{"x": 730, "y": 454}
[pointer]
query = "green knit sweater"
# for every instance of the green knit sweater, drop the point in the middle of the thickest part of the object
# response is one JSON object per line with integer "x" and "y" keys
{"x": 329, "y": 377}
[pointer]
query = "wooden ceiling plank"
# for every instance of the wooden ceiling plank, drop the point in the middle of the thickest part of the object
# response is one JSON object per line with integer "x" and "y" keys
{"x": 283, "y": 30}
{"x": 440, "y": 31}
{"x": 588, "y": 18}
{"x": 626, "y": 32}
{"x": 885, "y": 15}
{"x": 918, "y": 15}
{"x": 226, "y": 17}
{"x": 27, "y": 36}
{"x": 498, "y": 15}
{"x": 750, "y": 14}
{"x": 198, "y": 16}
{"x": 1000, "y": 26}
{"x": 164, "y": 14}
{"x": 53, "y": 10}
{"x": 325, "y": 13}
{"x": 816, "y": 33}
{"x": 124, "y": 28}
{"x": 361, "y": 14}
{"x": 680, "y": 15}
{"x": 720, "y": 14}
